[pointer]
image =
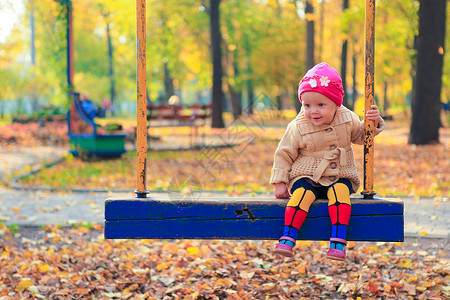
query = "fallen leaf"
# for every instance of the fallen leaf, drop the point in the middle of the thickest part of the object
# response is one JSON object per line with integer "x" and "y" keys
{"x": 43, "y": 267}
{"x": 405, "y": 263}
{"x": 193, "y": 250}
{"x": 373, "y": 288}
{"x": 162, "y": 266}
{"x": 410, "y": 289}
{"x": 303, "y": 268}
{"x": 82, "y": 291}
{"x": 24, "y": 284}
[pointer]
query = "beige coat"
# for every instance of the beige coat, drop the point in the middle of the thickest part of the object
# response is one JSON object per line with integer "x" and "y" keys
{"x": 321, "y": 153}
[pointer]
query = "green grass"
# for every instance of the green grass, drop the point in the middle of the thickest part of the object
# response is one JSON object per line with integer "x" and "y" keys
{"x": 189, "y": 170}
{"x": 14, "y": 228}
{"x": 5, "y": 120}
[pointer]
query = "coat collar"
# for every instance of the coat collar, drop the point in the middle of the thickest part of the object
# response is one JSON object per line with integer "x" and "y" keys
{"x": 343, "y": 115}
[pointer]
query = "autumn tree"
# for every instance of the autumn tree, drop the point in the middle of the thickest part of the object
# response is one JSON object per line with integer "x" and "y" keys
{"x": 112, "y": 88}
{"x": 426, "y": 103}
{"x": 166, "y": 31}
{"x": 344, "y": 61}
{"x": 352, "y": 25}
{"x": 277, "y": 57}
{"x": 234, "y": 50}
{"x": 396, "y": 26}
{"x": 241, "y": 33}
{"x": 49, "y": 70}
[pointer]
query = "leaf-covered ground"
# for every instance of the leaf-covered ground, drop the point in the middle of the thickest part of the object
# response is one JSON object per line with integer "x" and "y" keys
{"x": 78, "y": 263}
{"x": 32, "y": 134}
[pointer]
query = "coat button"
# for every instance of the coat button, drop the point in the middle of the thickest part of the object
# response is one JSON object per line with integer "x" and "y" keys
{"x": 332, "y": 147}
{"x": 333, "y": 165}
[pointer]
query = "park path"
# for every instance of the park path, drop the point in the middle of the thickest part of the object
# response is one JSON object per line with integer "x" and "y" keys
{"x": 15, "y": 159}
{"x": 425, "y": 217}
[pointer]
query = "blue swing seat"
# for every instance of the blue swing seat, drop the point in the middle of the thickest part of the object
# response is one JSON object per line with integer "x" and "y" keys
{"x": 245, "y": 218}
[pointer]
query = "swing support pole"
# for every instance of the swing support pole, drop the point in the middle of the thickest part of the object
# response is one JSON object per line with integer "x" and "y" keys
{"x": 141, "y": 79}
{"x": 368, "y": 191}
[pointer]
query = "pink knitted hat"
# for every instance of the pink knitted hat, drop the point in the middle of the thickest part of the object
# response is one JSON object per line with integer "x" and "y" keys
{"x": 325, "y": 80}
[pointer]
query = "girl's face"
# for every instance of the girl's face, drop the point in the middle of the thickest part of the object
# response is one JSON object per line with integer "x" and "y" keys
{"x": 319, "y": 109}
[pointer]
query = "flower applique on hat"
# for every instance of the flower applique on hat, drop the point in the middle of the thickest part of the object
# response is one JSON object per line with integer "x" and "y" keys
{"x": 313, "y": 83}
{"x": 324, "y": 81}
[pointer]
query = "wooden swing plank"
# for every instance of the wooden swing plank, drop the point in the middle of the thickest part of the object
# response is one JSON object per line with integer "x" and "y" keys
{"x": 245, "y": 218}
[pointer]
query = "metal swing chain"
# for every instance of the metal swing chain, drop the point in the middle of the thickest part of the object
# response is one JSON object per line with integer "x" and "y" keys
{"x": 368, "y": 191}
{"x": 141, "y": 76}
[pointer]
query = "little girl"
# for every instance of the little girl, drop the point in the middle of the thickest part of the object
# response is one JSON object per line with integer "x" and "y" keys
{"x": 314, "y": 159}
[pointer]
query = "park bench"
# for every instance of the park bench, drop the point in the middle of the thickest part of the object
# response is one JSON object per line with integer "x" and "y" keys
{"x": 87, "y": 138}
{"x": 192, "y": 116}
{"x": 176, "y": 115}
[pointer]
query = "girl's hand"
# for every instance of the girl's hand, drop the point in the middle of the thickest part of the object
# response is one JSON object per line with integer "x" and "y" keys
{"x": 374, "y": 115}
{"x": 280, "y": 190}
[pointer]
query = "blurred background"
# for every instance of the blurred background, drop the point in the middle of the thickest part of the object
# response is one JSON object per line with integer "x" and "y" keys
{"x": 266, "y": 47}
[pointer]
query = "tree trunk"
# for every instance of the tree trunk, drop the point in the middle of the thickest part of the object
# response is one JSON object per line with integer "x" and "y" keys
{"x": 250, "y": 92}
{"x": 34, "y": 100}
{"x": 344, "y": 62}
{"x": 2, "y": 109}
{"x": 385, "y": 99}
{"x": 309, "y": 11}
{"x": 236, "y": 101}
{"x": 149, "y": 101}
{"x": 233, "y": 81}
{"x": 169, "y": 90}
{"x": 279, "y": 103}
{"x": 248, "y": 80}
{"x": 217, "y": 91}
{"x": 70, "y": 49}
{"x": 354, "y": 90}
{"x": 112, "y": 88}
{"x": 426, "y": 104}
{"x": 297, "y": 103}
{"x": 235, "y": 92}
{"x": 322, "y": 9}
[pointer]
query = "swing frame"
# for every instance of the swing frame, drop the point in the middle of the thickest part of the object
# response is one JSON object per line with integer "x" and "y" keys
{"x": 240, "y": 218}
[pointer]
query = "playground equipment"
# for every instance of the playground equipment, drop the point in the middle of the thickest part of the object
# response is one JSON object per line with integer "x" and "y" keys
{"x": 246, "y": 218}
{"x": 86, "y": 140}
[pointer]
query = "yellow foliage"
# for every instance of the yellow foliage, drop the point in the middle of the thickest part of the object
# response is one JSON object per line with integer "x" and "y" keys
{"x": 405, "y": 263}
{"x": 193, "y": 250}
{"x": 43, "y": 267}
{"x": 24, "y": 284}
{"x": 3, "y": 229}
{"x": 162, "y": 266}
